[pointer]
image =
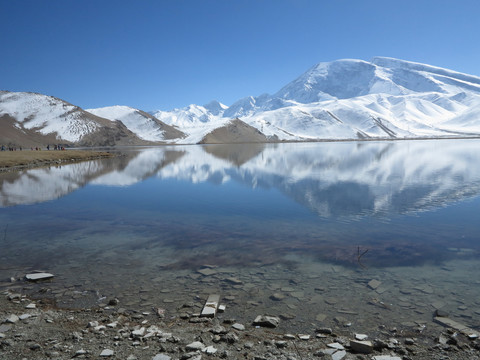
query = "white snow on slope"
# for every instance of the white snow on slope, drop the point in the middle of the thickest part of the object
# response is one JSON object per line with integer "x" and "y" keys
{"x": 143, "y": 126}
{"x": 47, "y": 114}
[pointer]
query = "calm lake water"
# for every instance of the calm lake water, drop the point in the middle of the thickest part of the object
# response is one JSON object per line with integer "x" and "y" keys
{"x": 297, "y": 230}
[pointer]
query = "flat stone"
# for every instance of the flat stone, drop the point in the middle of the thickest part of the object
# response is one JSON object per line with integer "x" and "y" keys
{"x": 24, "y": 316}
{"x": 320, "y": 317}
{"x": 207, "y": 272}
{"x": 277, "y": 297}
{"x": 221, "y": 308}
{"x": 12, "y": 319}
{"x": 373, "y": 284}
{"x": 456, "y": 325}
{"x": 266, "y": 321}
{"x": 339, "y": 355}
{"x": 234, "y": 281}
{"x": 386, "y": 357}
{"x": 324, "y": 330}
{"x": 304, "y": 337}
{"x": 2, "y": 335}
{"x": 361, "y": 337}
{"x": 194, "y": 346}
{"x": 211, "y": 305}
{"x": 336, "y": 345}
{"x": 161, "y": 357}
{"x": 238, "y": 326}
{"x": 38, "y": 276}
{"x": 31, "y": 306}
{"x": 362, "y": 347}
{"x": 106, "y": 353}
{"x": 5, "y": 328}
{"x": 210, "y": 350}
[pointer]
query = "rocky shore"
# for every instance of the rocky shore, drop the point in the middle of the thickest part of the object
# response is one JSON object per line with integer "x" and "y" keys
{"x": 35, "y": 329}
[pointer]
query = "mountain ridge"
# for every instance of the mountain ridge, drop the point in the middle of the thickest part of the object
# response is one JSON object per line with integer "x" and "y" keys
{"x": 346, "y": 99}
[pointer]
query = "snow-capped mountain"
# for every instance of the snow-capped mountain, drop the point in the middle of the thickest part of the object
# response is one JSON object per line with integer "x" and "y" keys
{"x": 144, "y": 125}
{"x": 343, "y": 99}
{"x": 352, "y": 99}
{"x": 29, "y": 118}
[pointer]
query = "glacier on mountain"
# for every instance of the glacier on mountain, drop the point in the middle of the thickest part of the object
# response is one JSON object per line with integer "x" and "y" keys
{"x": 354, "y": 99}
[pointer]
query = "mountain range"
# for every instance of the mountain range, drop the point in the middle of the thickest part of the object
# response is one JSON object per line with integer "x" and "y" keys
{"x": 346, "y": 99}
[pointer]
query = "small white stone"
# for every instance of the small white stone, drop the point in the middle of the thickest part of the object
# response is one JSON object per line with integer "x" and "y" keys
{"x": 194, "y": 346}
{"x": 38, "y": 276}
{"x": 31, "y": 306}
{"x": 80, "y": 352}
{"x": 24, "y": 316}
{"x": 210, "y": 350}
{"x": 139, "y": 332}
{"x": 361, "y": 337}
{"x": 304, "y": 337}
{"x": 221, "y": 308}
{"x": 106, "y": 353}
{"x": 336, "y": 345}
{"x": 2, "y": 335}
{"x": 238, "y": 326}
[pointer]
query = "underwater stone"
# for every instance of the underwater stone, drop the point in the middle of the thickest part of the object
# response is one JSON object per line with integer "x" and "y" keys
{"x": 373, "y": 284}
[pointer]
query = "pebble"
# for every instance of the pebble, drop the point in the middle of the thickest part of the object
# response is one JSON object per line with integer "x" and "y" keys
{"x": 106, "y": 353}
{"x": 336, "y": 345}
{"x": 194, "y": 346}
{"x": 238, "y": 326}
{"x": 361, "y": 337}
{"x": 31, "y": 306}
{"x": 210, "y": 350}
{"x": 362, "y": 347}
{"x": 266, "y": 321}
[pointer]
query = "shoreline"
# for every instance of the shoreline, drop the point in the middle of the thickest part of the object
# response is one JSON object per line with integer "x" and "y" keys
{"x": 34, "y": 329}
{"x": 28, "y": 159}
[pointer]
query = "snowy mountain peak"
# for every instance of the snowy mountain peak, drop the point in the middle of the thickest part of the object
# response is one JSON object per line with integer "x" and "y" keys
{"x": 215, "y": 107}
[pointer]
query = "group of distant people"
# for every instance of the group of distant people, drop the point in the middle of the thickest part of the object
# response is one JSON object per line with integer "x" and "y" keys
{"x": 14, "y": 148}
{"x": 10, "y": 148}
{"x": 56, "y": 147}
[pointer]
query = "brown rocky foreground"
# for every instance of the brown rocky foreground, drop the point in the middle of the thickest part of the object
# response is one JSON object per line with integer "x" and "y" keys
{"x": 32, "y": 329}
{"x": 17, "y": 160}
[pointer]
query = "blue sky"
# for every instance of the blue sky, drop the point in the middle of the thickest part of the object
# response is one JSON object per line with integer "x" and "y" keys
{"x": 166, "y": 54}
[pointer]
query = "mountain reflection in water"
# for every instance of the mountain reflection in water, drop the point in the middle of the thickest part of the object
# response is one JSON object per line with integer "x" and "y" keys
{"x": 359, "y": 193}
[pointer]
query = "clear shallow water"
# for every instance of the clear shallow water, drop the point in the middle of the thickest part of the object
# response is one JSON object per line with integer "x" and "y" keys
{"x": 311, "y": 224}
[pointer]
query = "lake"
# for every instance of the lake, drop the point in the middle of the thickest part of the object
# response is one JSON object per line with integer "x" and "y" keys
{"x": 295, "y": 230}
